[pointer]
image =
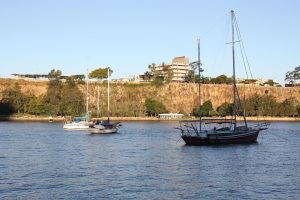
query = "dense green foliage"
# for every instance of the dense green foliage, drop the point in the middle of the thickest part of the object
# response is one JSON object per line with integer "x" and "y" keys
{"x": 100, "y": 73}
{"x": 225, "y": 109}
{"x": 298, "y": 110}
{"x": 266, "y": 105}
{"x": 158, "y": 81}
{"x": 190, "y": 78}
{"x": 65, "y": 98}
{"x": 60, "y": 98}
{"x": 15, "y": 101}
{"x": 153, "y": 107}
{"x": 204, "y": 110}
{"x": 255, "y": 105}
{"x": 222, "y": 79}
{"x": 158, "y": 78}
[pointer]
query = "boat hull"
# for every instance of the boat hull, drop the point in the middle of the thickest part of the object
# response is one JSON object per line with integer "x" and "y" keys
{"x": 248, "y": 137}
{"x": 74, "y": 126}
{"x": 103, "y": 131}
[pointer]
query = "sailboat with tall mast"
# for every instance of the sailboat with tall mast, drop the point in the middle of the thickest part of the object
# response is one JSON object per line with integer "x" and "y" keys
{"x": 106, "y": 127}
{"x": 221, "y": 131}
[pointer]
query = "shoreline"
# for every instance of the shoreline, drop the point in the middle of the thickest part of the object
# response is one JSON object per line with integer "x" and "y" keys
{"x": 154, "y": 119}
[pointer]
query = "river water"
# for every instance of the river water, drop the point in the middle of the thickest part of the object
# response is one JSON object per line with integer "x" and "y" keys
{"x": 146, "y": 160}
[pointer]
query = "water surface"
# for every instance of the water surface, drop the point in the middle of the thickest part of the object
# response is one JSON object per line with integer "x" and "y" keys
{"x": 146, "y": 160}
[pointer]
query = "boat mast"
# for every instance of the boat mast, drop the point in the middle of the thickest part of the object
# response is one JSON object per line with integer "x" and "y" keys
{"x": 108, "y": 93}
{"x": 98, "y": 99}
{"x": 87, "y": 92}
{"x": 199, "y": 71}
{"x": 233, "y": 65}
{"x": 199, "y": 83}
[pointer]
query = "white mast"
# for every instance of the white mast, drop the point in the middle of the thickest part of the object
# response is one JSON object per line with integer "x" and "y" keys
{"x": 108, "y": 93}
{"x": 87, "y": 91}
{"x": 98, "y": 99}
{"x": 199, "y": 83}
{"x": 233, "y": 65}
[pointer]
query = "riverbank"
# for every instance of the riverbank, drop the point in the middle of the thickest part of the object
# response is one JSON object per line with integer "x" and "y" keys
{"x": 61, "y": 119}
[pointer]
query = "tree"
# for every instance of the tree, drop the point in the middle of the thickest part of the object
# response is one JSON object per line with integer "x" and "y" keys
{"x": 15, "y": 99}
{"x": 293, "y": 76}
{"x": 147, "y": 76}
{"x": 158, "y": 81}
{"x": 36, "y": 106}
{"x": 169, "y": 76}
{"x": 298, "y": 110}
{"x": 72, "y": 101}
{"x": 153, "y": 107}
{"x": 54, "y": 75}
{"x": 222, "y": 79}
{"x": 267, "y": 105}
{"x": 190, "y": 78}
{"x": 287, "y": 108}
{"x": 53, "y": 96}
{"x": 60, "y": 98}
{"x": 270, "y": 82}
{"x": 204, "y": 110}
{"x": 100, "y": 73}
{"x": 225, "y": 109}
{"x": 252, "y": 105}
{"x": 151, "y": 67}
{"x": 5, "y": 107}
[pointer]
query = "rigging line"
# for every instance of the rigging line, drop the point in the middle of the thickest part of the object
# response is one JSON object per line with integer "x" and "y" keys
{"x": 222, "y": 40}
{"x": 241, "y": 107}
{"x": 213, "y": 26}
{"x": 240, "y": 39}
{"x": 243, "y": 58}
{"x": 209, "y": 30}
{"x": 243, "y": 47}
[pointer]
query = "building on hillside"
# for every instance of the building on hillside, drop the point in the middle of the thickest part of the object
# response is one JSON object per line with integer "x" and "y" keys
{"x": 296, "y": 84}
{"x": 179, "y": 69}
{"x": 43, "y": 77}
{"x": 257, "y": 82}
{"x": 30, "y": 77}
{"x": 131, "y": 78}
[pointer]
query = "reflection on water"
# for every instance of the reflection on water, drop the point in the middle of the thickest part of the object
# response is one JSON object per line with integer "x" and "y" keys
{"x": 146, "y": 160}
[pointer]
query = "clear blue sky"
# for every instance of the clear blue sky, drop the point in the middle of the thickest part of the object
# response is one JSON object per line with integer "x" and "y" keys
{"x": 70, "y": 35}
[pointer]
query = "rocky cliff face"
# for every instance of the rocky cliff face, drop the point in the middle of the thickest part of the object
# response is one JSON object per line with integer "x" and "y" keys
{"x": 177, "y": 97}
{"x": 29, "y": 87}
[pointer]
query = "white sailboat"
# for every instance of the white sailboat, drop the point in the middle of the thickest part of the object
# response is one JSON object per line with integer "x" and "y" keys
{"x": 106, "y": 127}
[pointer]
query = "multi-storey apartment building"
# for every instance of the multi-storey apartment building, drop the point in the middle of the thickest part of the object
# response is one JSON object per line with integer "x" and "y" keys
{"x": 179, "y": 68}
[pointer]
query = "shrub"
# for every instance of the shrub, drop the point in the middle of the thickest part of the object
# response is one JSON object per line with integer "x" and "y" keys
{"x": 153, "y": 107}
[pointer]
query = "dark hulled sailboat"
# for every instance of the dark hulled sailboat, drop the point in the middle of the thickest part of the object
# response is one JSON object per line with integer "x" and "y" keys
{"x": 220, "y": 131}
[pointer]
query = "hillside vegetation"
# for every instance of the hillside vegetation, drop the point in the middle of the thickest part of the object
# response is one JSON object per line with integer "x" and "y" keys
{"x": 128, "y": 99}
